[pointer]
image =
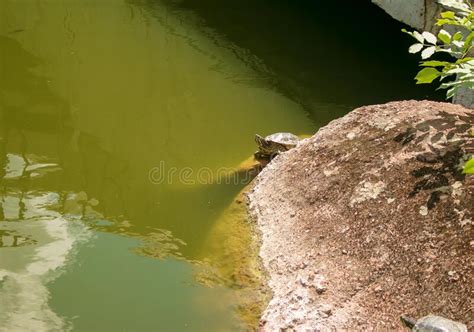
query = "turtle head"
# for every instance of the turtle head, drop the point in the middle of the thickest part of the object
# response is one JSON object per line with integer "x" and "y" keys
{"x": 262, "y": 143}
{"x": 267, "y": 149}
{"x": 265, "y": 146}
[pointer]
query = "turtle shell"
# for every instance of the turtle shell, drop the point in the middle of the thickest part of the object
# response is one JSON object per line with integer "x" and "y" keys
{"x": 287, "y": 139}
{"x": 432, "y": 323}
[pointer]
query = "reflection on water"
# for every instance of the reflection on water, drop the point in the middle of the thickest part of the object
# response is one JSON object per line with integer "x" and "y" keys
{"x": 47, "y": 244}
{"x": 9, "y": 238}
{"x": 327, "y": 57}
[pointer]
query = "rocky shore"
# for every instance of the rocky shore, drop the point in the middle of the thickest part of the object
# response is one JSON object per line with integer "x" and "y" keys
{"x": 369, "y": 219}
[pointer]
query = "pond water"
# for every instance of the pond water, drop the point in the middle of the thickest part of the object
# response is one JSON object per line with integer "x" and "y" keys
{"x": 118, "y": 122}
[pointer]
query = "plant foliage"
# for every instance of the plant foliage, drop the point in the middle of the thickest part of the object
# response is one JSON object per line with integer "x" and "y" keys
{"x": 459, "y": 20}
{"x": 469, "y": 167}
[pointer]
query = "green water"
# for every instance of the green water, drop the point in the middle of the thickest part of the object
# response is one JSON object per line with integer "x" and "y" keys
{"x": 116, "y": 118}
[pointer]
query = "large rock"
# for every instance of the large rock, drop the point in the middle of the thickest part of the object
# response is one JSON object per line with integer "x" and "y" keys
{"x": 369, "y": 219}
{"x": 420, "y": 14}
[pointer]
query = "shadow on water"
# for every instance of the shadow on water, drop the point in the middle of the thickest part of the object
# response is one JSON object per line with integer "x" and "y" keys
{"x": 27, "y": 101}
{"x": 328, "y": 56}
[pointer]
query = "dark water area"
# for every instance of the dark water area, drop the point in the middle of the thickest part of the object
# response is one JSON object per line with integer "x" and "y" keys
{"x": 329, "y": 56}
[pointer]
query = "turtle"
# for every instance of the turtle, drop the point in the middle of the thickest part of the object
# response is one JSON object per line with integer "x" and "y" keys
{"x": 272, "y": 145}
{"x": 432, "y": 323}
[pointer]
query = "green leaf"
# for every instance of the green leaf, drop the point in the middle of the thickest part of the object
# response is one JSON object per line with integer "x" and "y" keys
{"x": 458, "y": 36}
{"x": 458, "y": 70}
{"x": 444, "y": 36}
{"x": 448, "y": 14}
{"x": 429, "y": 37}
{"x": 448, "y": 21}
{"x": 415, "y": 48}
{"x": 458, "y": 43}
{"x": 427, "y": 75}
{"x": 469, "y": 167}
{"x": 451, "y": 92}
{"x": 427, "y": 52}
{"x": 461, "y": 7}
{"x": 468, "y": 59}
{"x": 418, "y": 36}
{"x": 457, "y": 84}
{"x": 468, "y": 42}
{"x": 434, "y": 63}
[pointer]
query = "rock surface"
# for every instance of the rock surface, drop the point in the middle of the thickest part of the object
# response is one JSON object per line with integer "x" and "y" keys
{"x": 419, "y": 14}
{"x": 369, "y": 219}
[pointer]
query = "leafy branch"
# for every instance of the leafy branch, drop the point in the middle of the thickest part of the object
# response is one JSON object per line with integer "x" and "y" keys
{"x": 460, "y": 17}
